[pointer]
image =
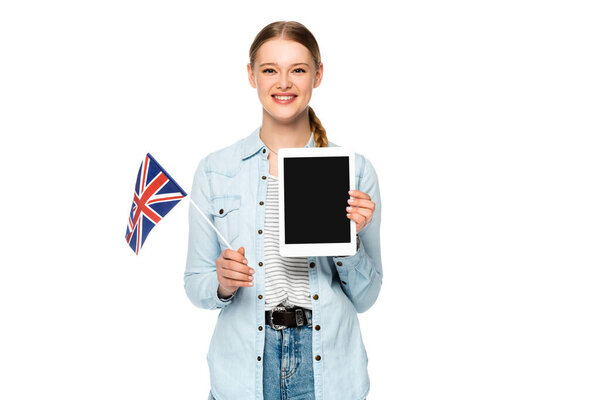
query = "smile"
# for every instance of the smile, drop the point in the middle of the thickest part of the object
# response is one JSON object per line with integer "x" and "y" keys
{"x": 283, "y": 99}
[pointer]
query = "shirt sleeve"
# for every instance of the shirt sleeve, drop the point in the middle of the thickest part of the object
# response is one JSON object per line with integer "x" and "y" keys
{"x": 361, "y": 274}
{"x": 200, "y": 277}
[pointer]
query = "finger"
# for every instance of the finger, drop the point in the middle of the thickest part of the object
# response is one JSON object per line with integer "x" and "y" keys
{"x": 229, "y": 254}
{"x": 236, "y": 275}
{"x": 362, "y": 203}
{"x": 359, "y": 226}
{"x": 237, "y": 267}
{"x": 358, "y": 194}
{"x": 362, "y": 211}
{"x": 235, "y": 282}
{"x": 359, "y": 219}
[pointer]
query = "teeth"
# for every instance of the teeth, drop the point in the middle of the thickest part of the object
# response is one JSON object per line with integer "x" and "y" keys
{"x": 284, "y": 97}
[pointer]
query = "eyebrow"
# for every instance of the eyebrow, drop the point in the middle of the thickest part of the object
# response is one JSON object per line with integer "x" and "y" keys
{"x": 263, "y": 64}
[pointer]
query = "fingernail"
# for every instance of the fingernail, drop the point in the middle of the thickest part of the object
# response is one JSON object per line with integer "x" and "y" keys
{"x": 251, "y": 271}
{"x": 348, "y": 208}
{"x": 245, "y": 261}
{"x": 347, "y": 215}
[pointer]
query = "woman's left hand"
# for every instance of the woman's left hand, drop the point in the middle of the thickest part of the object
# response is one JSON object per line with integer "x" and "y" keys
{"x": 361, "y": 209}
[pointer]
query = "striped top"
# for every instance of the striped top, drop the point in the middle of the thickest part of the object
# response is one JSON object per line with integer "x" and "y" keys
{"x": 286, "y": 278}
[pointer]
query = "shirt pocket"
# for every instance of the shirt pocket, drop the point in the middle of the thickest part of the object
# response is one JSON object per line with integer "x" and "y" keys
{"x": 226, "y": 212}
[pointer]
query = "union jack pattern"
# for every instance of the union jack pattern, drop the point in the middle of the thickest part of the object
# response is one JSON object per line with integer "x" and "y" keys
{"x": 156, "y": 193}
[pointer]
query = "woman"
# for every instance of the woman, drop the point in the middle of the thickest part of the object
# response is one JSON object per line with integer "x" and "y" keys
{"x": 288, "y": 326}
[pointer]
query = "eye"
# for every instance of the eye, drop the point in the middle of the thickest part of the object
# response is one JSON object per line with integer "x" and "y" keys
{"x": 300, "y": 69}
{"x": 268, "y": 69}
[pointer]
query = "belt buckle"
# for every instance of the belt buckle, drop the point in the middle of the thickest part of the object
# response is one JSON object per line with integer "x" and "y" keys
{"x": 276, "y": 327}
{"x": 299, "y": 317}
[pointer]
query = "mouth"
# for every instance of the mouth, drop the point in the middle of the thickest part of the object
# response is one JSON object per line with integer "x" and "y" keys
{"x": 283, "y": 98}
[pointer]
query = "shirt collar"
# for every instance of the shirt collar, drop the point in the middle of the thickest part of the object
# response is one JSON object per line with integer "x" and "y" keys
{"x": 252, "y": 144}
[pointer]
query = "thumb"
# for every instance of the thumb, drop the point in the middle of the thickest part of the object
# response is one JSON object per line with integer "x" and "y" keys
{"x": 242, "y": 251}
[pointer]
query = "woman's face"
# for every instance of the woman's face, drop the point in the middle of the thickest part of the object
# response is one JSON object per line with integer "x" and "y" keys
{"x": 284, "y": 68}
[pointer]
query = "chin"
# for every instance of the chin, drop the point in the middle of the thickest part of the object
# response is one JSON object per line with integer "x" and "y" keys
{"x": 284, "y": 117}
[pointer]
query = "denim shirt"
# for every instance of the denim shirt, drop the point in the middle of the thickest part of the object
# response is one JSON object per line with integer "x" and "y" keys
{"x": 229, "y": 186}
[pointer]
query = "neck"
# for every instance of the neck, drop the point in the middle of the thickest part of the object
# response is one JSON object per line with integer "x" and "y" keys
{"x": 276, "y": 134}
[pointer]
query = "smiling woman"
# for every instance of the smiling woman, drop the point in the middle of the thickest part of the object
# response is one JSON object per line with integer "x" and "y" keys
{"x": 288, "y": 326}
{"x": 284, "y": 72}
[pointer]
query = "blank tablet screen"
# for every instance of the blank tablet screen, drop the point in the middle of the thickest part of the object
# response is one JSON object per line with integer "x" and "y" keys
{"x": 316, "y": 197}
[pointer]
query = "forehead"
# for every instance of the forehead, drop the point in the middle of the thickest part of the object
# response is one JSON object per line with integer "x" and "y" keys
{"x": 283, "y": 52}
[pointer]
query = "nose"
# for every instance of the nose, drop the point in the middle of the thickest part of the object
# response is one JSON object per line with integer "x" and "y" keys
{"x": 283, "y": 82}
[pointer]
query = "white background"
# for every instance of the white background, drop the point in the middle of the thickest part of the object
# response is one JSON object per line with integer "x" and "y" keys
{"x": 481, "y": 119}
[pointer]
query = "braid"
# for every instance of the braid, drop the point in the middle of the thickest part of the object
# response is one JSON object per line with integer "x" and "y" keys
{"x": 319, "y": 134}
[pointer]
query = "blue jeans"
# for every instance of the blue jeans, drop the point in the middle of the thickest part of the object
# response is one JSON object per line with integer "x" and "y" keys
{"x": 287, "y": 363}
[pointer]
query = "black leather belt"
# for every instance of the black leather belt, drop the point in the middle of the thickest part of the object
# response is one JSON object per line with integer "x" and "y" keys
{"x": 280, "y": 317}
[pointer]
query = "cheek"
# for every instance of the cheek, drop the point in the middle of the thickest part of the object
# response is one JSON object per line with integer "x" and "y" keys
{"x": 306, "y": 86}
{"x": 265, "y": 87}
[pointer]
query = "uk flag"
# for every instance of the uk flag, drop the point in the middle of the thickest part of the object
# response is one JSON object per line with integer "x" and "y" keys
{"x": 156, "y": 193}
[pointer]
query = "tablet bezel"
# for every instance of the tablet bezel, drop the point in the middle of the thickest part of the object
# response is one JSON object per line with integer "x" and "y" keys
{"x": 314, "y": 249}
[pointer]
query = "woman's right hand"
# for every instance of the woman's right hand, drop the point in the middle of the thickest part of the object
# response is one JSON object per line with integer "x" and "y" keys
{"x": 233, "y": 272}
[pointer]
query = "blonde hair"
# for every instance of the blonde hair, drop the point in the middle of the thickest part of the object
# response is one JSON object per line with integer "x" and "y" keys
{"x": 292, "y": 30}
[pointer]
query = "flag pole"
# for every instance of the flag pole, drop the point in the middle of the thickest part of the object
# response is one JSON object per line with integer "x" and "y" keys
{"x": 211, "y": 224}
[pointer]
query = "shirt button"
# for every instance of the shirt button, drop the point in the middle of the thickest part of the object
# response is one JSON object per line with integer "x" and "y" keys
{"x": 261, "y": 203}
{"x": 264, "y": 151}
{"x": 317, "y": 327}
{"x": 312, "y": 264}
{"x": 258, "y": 358}
{"x": 318, "y": 357}
{"x": 260, "y": 296}
{"x": 264, "y": 177}
{"x": 316, "y": 297}
{"x": 221, "y": 211}
{"x": 260, "y": 264}
{"x": 260, "y": 328}
{"x": 260, "y": 231}
{"x": 339, "y": 263}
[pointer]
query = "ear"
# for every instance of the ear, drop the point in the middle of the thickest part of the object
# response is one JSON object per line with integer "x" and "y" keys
{"x": 251, "y": 76}
{"x": 318, "y": 76}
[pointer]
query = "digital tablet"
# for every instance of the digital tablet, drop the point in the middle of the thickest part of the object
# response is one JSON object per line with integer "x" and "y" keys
{"x": 313, "y": 196}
